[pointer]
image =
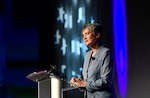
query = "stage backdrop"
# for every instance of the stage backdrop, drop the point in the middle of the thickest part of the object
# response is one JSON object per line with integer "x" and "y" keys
{"x": 35, "y": 34}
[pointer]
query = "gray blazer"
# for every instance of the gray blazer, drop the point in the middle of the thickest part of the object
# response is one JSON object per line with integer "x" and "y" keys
{"x": 98, "y": 74}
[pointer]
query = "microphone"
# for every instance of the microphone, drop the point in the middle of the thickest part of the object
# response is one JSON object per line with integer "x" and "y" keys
{"x": 54, "y": 67}
{"x": 55, "y": 70}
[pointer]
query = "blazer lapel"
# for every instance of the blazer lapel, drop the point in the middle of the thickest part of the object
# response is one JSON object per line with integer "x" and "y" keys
{"x": 86, "y": 62}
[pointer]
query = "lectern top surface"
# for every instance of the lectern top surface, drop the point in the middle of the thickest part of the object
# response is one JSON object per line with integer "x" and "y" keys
{"x": 38, "y": 76}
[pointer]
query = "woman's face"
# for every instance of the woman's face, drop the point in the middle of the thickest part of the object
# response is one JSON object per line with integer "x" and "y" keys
{"x": 89, "y": 37}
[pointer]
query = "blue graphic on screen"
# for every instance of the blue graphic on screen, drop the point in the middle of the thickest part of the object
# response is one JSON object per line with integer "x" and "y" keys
{"x": 71, "y": 17}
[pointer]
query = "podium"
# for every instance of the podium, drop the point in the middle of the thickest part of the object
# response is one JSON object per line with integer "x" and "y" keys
{"x": 52, "y": 86}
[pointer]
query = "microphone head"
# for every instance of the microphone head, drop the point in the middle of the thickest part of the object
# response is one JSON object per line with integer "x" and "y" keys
{"x": 54, "y": 67}
{"x": 56, "y": 71}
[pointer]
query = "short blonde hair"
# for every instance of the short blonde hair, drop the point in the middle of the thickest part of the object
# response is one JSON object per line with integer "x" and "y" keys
{"x": 95, "y": 28}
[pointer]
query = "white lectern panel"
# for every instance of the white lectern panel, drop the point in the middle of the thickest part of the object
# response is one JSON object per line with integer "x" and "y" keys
{"x": 49, "y": 88}
{"x": 55, "y": 88}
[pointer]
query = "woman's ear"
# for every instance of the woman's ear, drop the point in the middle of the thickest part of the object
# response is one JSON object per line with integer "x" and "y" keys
{"x": 98, "y": 35}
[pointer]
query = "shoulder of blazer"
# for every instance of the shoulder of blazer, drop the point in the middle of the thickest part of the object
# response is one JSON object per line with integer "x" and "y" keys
{"x": 88, "y": 53}
{"x": 103, "y": 49}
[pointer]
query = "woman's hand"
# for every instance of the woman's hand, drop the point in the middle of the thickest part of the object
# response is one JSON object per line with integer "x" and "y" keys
{"x": 80, "y": 82}
{"x": 72, "y": 81}
{"x": 77, "y": 82}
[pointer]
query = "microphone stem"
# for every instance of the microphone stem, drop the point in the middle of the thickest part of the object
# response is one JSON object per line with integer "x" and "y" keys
{"x": 45, "y": 75}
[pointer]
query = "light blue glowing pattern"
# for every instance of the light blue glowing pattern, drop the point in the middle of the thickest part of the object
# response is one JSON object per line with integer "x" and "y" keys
{"x": 119, "y": 18}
